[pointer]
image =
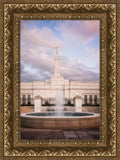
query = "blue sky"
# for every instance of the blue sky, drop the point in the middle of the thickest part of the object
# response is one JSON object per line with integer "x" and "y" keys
{"x": 78, "y": 47}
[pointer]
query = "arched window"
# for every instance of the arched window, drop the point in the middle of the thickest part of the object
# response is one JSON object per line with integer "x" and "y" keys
{"x": 29, "y": 100}
{"x": 95, "y": 100}
{"x": 85, "y": 99}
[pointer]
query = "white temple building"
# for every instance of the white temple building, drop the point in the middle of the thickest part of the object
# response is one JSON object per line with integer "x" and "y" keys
{"x": 88, "y": 91}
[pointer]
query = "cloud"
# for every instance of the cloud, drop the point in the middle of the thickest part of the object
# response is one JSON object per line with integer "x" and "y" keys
{"x": 78, "y": 71}
{"x": 44, "y": 37}
{"x": 79, "y": 31}
{"x": 89, "y": 49}
{"x": 40, "y": 66}
{"x": 29, "y": 73}
{"x": 38, "y": 57}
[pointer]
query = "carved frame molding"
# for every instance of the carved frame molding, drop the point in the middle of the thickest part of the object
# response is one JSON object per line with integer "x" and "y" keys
{"x": 13, "y": 147}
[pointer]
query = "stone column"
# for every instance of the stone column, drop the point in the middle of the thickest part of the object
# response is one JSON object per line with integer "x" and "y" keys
{"x": 78, "y": 103}
{"x": 37, "y": 103}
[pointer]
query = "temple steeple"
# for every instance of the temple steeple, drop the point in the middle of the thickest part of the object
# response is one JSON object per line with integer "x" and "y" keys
{"x": 56, "y": 50}
{"x": 57, "y": 70}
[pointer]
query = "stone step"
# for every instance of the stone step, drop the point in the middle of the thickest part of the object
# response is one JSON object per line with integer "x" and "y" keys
{"x": 49, "y": 135}
{"x": 94, "y": 134}
{"x": 70, "y": 135}
{"x": 83, "y": 135}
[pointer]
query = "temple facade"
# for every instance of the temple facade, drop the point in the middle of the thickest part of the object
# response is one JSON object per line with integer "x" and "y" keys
{"x": 89, "y": 91}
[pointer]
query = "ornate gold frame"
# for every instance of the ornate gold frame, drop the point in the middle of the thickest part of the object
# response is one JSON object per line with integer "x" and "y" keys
{"x": 12, "y": 11}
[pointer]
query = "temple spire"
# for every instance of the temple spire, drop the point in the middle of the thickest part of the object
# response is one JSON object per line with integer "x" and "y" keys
{"x": 57, "y": 71}
{"x": 56, "y": 50}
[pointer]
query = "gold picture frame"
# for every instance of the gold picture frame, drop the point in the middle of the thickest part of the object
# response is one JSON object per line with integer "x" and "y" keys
{"x": 107, "y": 147}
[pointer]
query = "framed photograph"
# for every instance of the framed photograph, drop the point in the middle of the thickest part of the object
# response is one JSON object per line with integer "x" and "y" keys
{"x": 60, "y": 79}
{"x": 59, "y": 89}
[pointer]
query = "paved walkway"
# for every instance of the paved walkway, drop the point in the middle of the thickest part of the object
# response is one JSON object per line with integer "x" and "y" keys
{"x": 41, "y": 134}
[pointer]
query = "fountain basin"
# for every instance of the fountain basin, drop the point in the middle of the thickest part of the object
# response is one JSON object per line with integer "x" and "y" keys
{"x": 70, "y": 121}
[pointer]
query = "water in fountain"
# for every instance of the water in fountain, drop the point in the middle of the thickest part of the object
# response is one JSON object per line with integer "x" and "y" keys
{"x": 59, "y": 103}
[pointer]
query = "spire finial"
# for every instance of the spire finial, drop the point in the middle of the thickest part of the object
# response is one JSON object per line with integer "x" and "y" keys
{"x": 56, "y": 50}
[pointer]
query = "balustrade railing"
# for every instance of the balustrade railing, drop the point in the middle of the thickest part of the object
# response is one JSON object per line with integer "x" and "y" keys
{"x": 52, "y": 101}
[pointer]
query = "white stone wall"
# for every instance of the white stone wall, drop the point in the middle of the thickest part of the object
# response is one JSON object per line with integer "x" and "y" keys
{"x": 48, "y": 88}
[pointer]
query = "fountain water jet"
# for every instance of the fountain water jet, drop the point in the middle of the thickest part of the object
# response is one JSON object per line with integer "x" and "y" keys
{"x": 59, "y": 103}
